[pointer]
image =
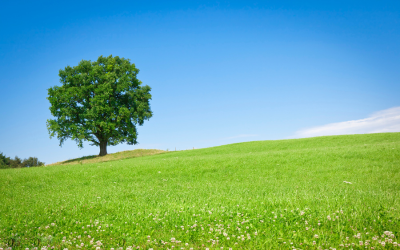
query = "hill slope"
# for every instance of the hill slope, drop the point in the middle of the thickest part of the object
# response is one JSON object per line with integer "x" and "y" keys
{"x": 302, "y": 193}
{"x": 111, "y": 157}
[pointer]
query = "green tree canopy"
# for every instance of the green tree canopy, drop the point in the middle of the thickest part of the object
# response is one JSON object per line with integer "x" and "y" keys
{"x": 100, "y": 102}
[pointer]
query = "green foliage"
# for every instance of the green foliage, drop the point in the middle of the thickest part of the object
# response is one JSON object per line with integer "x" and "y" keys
{"x": 32, "y": 162}
{"x": 4, "y": 160}
{"x": 315, "y": 193}
{"x": 100, "y": 102}
{"x": 7, "y": 162}
{"x": 16, "y": 162}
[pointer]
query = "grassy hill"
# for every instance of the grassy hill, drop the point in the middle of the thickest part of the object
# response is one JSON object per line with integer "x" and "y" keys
{"x": 111, "y": 157}
{"x": 324, "y": 192}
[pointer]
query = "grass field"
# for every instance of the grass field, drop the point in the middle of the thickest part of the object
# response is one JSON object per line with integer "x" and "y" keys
{"x": 336, "y": 192}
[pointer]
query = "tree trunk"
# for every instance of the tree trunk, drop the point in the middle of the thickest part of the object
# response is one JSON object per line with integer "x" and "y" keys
{"x": 103, "y": 148}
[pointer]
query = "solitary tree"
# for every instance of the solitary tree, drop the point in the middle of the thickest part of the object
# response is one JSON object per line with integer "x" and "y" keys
{"x": 100, "y": 102}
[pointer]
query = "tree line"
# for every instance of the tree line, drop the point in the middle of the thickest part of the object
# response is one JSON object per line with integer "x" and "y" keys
{"x": 7, "y": 162}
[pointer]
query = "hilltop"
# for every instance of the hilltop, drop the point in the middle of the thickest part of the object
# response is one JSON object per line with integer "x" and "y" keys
{"x": 111, "y": 157}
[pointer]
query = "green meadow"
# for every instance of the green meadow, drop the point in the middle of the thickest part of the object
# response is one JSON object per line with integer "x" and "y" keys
{"x": 334, "y": 192}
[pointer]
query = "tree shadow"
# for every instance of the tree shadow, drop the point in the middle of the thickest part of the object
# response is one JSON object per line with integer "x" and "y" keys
{"x": 77, "y": 160}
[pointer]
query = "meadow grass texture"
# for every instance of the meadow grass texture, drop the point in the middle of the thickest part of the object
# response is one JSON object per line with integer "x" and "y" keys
{"x": 335, "y": 192}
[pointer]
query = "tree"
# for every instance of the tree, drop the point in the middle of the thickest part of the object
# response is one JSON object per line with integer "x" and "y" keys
{"x": 16, "y": 162}
{"x": 7, "y": 162}
{"x": 100, "y": 102}
{"x": 4, "y": 161}
{"x": 32, "y": 162}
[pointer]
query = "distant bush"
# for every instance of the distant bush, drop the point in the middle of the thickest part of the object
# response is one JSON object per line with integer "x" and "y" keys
{"x": 7, "y": 162}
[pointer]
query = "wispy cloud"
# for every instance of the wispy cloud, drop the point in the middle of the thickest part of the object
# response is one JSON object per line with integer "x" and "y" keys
{"x": 239, "y": 136}
{"x": 387, "y": 120}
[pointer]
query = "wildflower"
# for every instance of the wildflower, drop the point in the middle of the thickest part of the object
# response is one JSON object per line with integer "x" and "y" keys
{"x": 329, "y": 218}
{"x": 383, "y": 243}
{"x": 316, "y": 235}
{"x": 361, "y": 243}
{"x": 314, "y": 242}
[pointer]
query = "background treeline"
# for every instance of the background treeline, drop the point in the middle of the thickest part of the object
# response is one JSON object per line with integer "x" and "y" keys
{"x": 7, "y": 162}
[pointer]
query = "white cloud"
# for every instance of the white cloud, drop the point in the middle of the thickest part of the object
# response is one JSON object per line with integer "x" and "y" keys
{"x": 387, "y": 120}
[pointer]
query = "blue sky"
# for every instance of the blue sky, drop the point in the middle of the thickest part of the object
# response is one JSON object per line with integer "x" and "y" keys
{"x": 220, "y": 71}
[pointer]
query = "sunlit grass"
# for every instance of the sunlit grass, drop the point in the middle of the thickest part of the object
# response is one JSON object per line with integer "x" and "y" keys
{"x": 316, "y": 193}
{"x": 111, "y": 157}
